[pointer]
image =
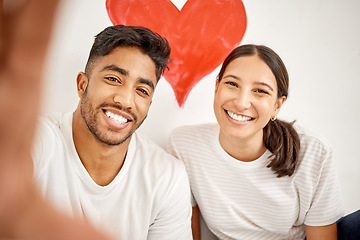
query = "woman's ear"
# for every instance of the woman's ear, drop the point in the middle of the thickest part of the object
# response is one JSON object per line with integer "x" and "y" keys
{"x": 279, "y": 102}
{"x": 217, "y": 84}
{"x": 81, "y": 83}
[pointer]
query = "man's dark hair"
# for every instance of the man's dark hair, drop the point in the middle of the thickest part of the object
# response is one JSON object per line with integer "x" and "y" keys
{"x": 148, "y": 42}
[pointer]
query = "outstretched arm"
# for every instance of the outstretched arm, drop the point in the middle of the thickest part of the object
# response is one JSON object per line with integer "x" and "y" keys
{"x": 25, "y": 31}
{"x": 323, "y": 232}
{"x": 195, "y": 223}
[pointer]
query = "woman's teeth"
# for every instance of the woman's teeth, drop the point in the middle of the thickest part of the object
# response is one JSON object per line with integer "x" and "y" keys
{"x": 238, "y": 117}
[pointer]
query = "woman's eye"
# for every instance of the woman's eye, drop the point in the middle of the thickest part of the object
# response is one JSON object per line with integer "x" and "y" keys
{"x": 231, "y": 83}
{"x": 261, "y": 91}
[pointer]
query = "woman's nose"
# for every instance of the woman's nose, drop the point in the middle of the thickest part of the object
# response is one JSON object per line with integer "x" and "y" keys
{"x": 243, "y": 100}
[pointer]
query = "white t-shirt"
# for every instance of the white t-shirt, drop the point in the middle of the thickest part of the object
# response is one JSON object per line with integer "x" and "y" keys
{"x": 148, "y": 199}
{"x": 246, "y": 200}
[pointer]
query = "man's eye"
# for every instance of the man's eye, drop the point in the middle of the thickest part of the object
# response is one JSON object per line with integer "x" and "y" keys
{"x": 112, "y": 79}
{"x": 143, "y": 91}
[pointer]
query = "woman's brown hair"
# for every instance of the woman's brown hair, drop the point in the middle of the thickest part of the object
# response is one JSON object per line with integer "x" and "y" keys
{"x": 279, "y": 136}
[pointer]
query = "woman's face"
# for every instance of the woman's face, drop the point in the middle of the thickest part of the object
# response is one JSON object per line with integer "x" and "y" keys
{"x": 246, "y": 98}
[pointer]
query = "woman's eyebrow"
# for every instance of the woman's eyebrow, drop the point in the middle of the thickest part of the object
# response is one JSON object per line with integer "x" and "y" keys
{"x": 231, "y": 76}
{"x": 264, "y": 84}
{"x": 257, "y": 82}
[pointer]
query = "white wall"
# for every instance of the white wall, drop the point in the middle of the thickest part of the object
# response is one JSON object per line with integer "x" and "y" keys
{"x": 319, "y": 42}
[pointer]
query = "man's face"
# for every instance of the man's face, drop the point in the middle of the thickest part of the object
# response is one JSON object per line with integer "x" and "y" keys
{"x": 116, "y": 98}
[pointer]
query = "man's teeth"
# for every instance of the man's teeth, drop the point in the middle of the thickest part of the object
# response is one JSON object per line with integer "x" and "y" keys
{"x": 238, "y": 117}
{"x": 115, "y": 117}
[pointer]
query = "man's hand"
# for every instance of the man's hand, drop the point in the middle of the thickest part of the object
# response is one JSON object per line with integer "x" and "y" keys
{"x": 25, "y": 31}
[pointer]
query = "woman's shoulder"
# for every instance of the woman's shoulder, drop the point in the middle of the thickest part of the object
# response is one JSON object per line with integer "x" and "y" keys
{"x": 309, "y": 136}
{"x": 195, "y": 130}
{"x": 315, "y": 148}
{"x": 193, "y": 136}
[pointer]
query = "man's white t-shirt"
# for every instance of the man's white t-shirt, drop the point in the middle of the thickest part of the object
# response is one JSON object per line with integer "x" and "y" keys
{"x": 246, "y": 200}
{"x": 148, "y": 199}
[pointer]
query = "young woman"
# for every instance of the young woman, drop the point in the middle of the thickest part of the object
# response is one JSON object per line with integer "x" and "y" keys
{"x": 252, "y": 175}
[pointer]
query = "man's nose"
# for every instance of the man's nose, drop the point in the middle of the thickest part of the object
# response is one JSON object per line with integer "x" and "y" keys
{"x": 125, "y": 96}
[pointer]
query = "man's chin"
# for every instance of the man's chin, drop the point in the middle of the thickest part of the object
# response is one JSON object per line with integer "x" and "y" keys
{"x": 108, "y": 141}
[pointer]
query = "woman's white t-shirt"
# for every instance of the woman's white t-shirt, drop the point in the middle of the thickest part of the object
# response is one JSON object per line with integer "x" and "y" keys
{"x": 246, "y": 200}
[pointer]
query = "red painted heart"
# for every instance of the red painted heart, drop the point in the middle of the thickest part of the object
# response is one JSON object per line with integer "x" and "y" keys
{"x": 201, "y": 35}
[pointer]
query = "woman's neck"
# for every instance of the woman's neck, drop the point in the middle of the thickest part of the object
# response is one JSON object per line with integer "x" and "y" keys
{"x": 246, "y": 149}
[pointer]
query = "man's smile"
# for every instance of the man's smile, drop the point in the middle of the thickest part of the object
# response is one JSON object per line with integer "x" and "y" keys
{"x": 115, "y": 117}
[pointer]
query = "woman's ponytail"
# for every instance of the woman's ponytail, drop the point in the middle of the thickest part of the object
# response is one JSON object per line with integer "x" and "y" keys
{"x": 283, "y": 142}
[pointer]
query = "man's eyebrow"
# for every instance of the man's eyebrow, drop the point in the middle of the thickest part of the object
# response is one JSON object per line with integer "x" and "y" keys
{"x": 147, "y": 82}
{"x": 125, "y": 73}
{"x": 116, "y": 69}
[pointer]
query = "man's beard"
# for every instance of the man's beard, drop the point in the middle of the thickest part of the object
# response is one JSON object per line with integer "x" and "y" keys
{"x": 88, "y": 113}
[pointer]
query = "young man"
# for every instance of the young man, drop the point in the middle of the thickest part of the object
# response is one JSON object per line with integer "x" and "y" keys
{"x": 93, "y": 164}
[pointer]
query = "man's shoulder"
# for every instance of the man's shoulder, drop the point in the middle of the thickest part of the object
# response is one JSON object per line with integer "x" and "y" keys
{"x": 53, "y": 120}
{"x": 50, "y": 127}
{"x": 50, "y": 140}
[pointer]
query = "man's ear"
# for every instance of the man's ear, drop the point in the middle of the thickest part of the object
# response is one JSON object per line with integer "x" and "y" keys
{"x": 81, "y": 83}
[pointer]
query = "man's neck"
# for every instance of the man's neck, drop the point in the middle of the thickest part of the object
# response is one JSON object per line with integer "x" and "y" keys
{"x": 101, "y": 161}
